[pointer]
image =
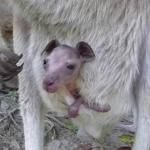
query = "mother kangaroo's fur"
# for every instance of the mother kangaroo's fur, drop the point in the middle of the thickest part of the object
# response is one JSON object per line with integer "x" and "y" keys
{"x": 118, "y": 31}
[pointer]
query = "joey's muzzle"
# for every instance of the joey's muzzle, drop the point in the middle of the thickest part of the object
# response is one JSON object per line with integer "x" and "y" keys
{"x": 50, "y": 84}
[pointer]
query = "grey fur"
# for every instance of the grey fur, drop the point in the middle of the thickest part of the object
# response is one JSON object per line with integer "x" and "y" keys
{"x": 119, "y": 33}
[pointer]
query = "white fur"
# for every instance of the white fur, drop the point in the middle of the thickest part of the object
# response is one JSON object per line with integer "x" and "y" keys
{"x": 118, "y": 32}
{"x": 131, "y": 127}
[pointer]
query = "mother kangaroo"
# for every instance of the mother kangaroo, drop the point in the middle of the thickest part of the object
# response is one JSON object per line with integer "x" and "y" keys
{"x": 119, "y": 33}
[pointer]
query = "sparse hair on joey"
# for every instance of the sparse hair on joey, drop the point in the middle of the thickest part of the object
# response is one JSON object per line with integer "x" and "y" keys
{"x": 62, "y": 63}
{"x": 82, "y": 48}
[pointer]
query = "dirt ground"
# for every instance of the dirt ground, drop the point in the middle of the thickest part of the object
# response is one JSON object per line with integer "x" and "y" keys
{"x": 60, "y": 133}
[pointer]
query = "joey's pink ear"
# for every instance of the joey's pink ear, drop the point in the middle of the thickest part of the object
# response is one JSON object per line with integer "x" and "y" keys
{"x": 50, "y": 46}
{"x": 85, "y": 51}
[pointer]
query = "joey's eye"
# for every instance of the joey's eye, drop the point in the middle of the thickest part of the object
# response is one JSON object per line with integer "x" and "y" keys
{"x": 71, "y": 67}
{"x": 44, "y": 62}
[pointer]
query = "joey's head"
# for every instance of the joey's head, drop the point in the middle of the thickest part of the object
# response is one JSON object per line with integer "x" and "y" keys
{"x": 62, "y": 63}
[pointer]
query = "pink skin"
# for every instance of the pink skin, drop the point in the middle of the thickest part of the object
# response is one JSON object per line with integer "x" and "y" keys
{"x": 57, "y": 68}
{"x": 104, "y": 108}
{"x": 74, "y": 108}
{"x": 62, "y": 64}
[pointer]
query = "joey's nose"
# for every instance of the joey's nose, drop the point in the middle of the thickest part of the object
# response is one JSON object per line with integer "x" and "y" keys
{"x": 49, "y": 83}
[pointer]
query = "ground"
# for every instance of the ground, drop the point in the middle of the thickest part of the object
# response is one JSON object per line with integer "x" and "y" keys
{"x": 60, "y": 133}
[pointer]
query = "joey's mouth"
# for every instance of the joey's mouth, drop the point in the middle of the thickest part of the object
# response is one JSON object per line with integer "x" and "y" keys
{"x": 51, "y": 88}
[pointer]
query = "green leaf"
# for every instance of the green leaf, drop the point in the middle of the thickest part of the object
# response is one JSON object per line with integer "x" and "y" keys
{"x": 14, "y": 96}
{"x": 126, "y": 138}
{"x": 69, "y": 124}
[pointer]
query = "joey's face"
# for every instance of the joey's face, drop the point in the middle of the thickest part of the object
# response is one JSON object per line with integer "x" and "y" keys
{"x": 62, "y": 63}
{"x": 62, "y": 66}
